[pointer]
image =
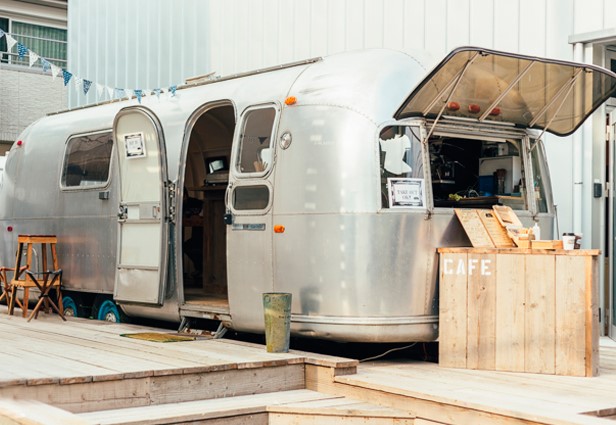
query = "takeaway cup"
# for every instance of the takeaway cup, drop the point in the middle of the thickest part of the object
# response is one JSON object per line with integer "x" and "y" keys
{"x": 277, "y": 315}
{"x": 568, "y": 241}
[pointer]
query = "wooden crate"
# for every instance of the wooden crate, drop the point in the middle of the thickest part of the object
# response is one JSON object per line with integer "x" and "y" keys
{"x": 519, "y": 310}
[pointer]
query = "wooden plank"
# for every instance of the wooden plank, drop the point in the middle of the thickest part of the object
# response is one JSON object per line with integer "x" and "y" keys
{"x": 510, "y": 325}
{"x": 452, "y": 310}
{"x": 481, "y": 301}
{"x": 506, "y": 216}
{"x": 540, "y": 314}
{"x": 497, "y": 232}
{"x": 570, "y": 313}
{"x": 591, "y": 322}
{"x": 475, "y": 230}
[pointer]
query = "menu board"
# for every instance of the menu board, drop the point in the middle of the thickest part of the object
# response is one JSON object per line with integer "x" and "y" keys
{"x": 474, "y": 227}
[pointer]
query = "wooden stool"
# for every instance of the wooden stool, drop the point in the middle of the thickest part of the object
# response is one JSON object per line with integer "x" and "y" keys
{"x": 24, "y": 277}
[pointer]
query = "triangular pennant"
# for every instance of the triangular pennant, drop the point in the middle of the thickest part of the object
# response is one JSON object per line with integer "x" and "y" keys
{"x": 2, "y": 33}
{"x": 46, "y": 65}
{"x": 86, "y": 86}
{"x": 21, "y": 50}
{"x": 99, "y": 90}
{"x": 77, "y": 82}
{"x": 33, "y": 58}
{"x": 139, "y": 94}
{"x": 128, "y": 93}
{"x": 10, "y": 42}
{"x": 66, "y": 76}
{"x": 119, "y": 93}
{"x": 157, "y": 93}
{"x": 55, "y": 70}
{"x": 110, "y": 92}
{"x": 172, "y": 90}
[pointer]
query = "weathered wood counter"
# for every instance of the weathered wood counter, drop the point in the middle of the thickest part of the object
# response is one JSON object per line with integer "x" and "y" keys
{"x": 519, "y": 310}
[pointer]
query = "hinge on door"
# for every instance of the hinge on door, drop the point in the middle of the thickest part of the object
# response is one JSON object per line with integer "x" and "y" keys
{"x": 172, "y": 197}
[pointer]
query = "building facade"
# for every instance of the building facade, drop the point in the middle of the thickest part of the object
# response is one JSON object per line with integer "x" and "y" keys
{"x": 28, "y": 92}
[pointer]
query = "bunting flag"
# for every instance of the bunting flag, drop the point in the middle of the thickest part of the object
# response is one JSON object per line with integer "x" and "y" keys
{"x": 33, "y": 58}
{"x": 10, "y": 42}
{"x": 55, "y": 71}
{"x": 99, "y": 90}
{"x": 82, "y": 84}
{"x": 66, "y": 76}
{"x": 46, "y": 65}
{"x": 21, "y": 50}
{"x": 86, "y": 86}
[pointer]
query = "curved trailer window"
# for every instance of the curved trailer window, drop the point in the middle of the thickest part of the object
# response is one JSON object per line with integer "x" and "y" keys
{"x": 87, "y": 160}
{"x": 255, "y": 144}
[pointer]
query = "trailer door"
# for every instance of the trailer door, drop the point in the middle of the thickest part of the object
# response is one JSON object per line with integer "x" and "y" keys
{"x": 142, "y": 215}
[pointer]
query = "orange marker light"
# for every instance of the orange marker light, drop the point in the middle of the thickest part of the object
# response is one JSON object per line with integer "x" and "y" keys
{"x": 474, "y": 108}
{"x": 291, "y": 100}
{"x": 278, "y": 228}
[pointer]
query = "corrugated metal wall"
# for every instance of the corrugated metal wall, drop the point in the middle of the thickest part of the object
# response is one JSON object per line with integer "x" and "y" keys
{"x": 157, "y": 43}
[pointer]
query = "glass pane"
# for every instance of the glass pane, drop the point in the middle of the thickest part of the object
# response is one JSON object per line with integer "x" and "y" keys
{"x": 255, "y": 153}
{"x": 400, "y": 156}
{"x": 49, "y": 43}
{"x": 495, "y": 86}
{"x": 250, "y": 197}
{"x": 539, "y": 182}
{"x": 87, "y": 160}
{"x": 4, "y": 26}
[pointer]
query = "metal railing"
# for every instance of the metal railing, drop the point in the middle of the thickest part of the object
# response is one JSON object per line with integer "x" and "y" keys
{"x": 47, "y": 45}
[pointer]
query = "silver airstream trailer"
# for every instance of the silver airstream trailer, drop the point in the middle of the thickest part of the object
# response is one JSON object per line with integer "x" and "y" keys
{"x": 334, "y": 179}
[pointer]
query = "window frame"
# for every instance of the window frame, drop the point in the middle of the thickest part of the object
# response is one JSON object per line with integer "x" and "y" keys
{"x": 10, "y": 56}
{"x": 237, "y": 148}
{"x": 251, "y": 183}
{"x": 102, "y": 185}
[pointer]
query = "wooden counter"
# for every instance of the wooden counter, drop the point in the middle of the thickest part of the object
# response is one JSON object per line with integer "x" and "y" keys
{"x": 519, "y": 310}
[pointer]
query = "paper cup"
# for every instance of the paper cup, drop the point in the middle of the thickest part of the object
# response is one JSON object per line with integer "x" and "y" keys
{"x": 568, "y": 242}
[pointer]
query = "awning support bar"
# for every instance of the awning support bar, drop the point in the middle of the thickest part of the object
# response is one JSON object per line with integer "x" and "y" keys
{"x": 457, "y": 82}
{"x": 569, "y": 87}
{"x": 507, "y": 90}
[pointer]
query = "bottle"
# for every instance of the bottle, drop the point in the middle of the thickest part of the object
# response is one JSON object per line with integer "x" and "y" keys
{"x": 537, "y": 232}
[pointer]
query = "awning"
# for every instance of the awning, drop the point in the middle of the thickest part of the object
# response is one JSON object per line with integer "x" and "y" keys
{"x": 529, "y": 92}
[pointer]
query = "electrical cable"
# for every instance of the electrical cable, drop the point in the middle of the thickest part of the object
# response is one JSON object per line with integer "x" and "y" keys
{"x": 386, "y": 353}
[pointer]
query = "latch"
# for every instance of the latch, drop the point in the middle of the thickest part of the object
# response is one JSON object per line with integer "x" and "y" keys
{"x": 122, "y": 212}
{"x": 172, "y": 197}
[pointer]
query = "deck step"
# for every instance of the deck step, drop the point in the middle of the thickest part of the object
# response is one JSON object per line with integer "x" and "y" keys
{"x": 296, "y": 407}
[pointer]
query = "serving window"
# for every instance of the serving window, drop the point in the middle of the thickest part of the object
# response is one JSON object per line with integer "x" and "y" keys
{"x": 474, "y": 173}
{"x": 87, "y": 161}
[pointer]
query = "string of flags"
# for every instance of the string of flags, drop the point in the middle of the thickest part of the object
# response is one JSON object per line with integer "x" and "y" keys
{"x": 81, "y": 83}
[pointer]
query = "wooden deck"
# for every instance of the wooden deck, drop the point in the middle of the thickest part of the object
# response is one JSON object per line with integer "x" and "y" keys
{"x": 83, "y": 371}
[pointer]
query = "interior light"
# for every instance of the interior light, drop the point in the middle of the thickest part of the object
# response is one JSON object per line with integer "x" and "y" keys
{"x": 474, "y": 108}
{"x": 453, "y": 106}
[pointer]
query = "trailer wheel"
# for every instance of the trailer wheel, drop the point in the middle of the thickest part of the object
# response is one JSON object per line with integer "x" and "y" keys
{"x": 71, "y": 305}
{"x": 109, "y": 312}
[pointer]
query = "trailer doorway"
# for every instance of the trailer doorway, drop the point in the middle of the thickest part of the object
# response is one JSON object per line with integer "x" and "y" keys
{"x": 203, "y": 248}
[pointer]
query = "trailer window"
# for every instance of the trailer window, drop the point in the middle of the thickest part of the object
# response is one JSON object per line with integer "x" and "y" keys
{"x": 255, "y": 144}
{"x": 539, "y": 179}
{"x": 250, "y": 197}
{"x": 473, "y": 173}
{"x": 87, "y": 161}
{"x": 400, "y": 158}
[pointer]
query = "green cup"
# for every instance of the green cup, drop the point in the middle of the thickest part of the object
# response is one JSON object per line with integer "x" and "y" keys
{"x": 277, "y": 314}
